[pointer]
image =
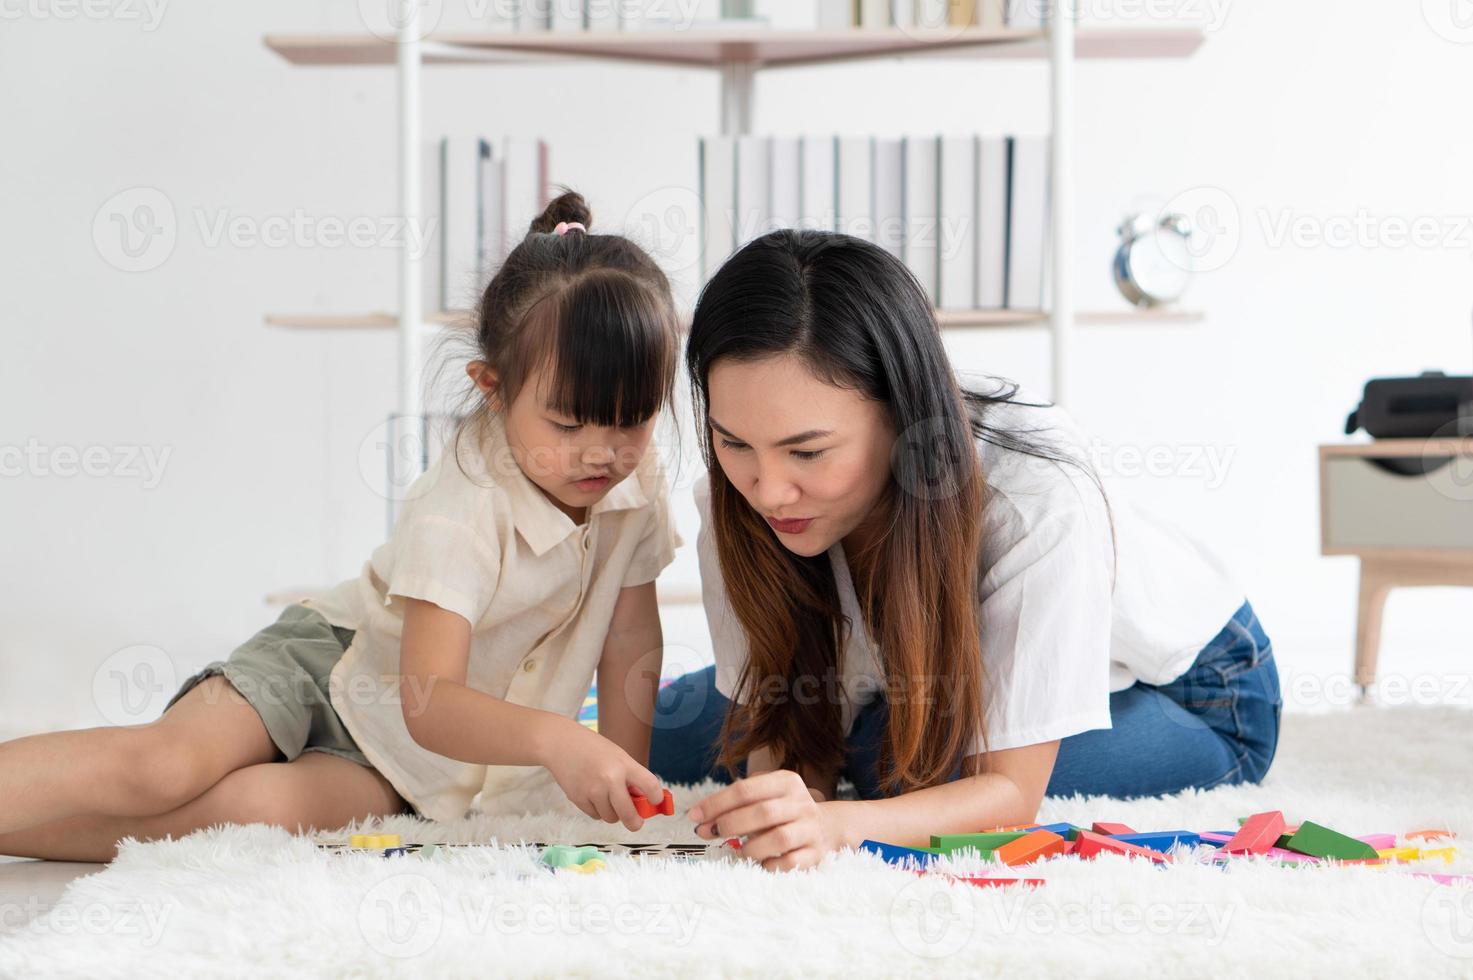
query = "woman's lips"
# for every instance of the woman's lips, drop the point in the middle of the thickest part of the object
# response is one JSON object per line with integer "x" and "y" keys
{"x": 797, "y": 526}
{"x": 592, "y": 483}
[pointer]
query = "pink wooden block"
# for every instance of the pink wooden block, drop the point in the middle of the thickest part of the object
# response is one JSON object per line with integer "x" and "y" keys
{"x": 1380, "y": 842}
{"x": 1212, "y": 837}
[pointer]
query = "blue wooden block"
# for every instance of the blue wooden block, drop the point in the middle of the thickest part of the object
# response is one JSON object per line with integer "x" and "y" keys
{"x": 1162, "y": 840}
{"x": 1062, "y": 829}
{"x": 895, "y": 854}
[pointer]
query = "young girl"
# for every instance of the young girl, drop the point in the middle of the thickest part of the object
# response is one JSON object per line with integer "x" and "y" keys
{"x": 523, "y": 564}
{"x": 924, "y": 588}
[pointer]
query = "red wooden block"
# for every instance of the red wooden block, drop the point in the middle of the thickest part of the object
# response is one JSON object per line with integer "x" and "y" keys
{"x": 646, "y": 809}
{"x": 1258, "y": 833}
{"x": 1110, "y": 829}
{"x": 1031, "y": 847}
{"x": 1091, "y": 844}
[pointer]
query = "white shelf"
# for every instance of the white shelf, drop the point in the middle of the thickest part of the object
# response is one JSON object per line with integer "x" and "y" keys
{"x": 947, "y": 319}
{"x": 714, "y": 48}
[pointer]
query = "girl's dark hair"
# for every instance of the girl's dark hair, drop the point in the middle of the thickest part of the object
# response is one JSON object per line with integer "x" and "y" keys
{"x": 859, "y": 320}
{"x": 594, "y": 309}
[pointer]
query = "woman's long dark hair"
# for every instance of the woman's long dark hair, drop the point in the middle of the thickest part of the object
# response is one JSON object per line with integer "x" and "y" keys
{"x": 859, "y": 320}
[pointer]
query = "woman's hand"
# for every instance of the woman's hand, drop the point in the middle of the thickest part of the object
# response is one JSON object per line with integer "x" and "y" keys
{"x": 596, "y": 775}
{"x": 785, "y": 826}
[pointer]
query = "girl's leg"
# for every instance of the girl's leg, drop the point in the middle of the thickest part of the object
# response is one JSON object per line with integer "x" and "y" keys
{"x": 687, "y": 730}
{"x": 1216, "y": 724}
{"x": 133, "y": 771}
{"x": 316, "y": 790}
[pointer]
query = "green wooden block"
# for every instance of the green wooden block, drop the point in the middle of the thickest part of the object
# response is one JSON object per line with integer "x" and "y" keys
{"x": 987, "y": 843}
{"x": 1322, "y": 842}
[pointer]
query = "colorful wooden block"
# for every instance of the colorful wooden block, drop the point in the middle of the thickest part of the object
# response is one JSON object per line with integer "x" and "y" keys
{"x": 646, "y": 809}
{"x": 374, "y": 842}
{"x": 1161, "y": 841}
{"x": 1216, "y": 838}
{"x": 1399, "y": 853}
{"x": 1430, "y": 834}
{"x": 947, "y": 843}
{"x": 1091, "y": 844}
{"x": 1110, "y": 829}
{"x": 1379, "y": 841}
{"x": 1323, "y": 842}
{"x": 1036, "y": 846}
{"x": 895, "y": 854}
{"x": 1446, "y": 853}
{"x": 1062, "y": 829}
{"x": 1259, "y": 833}
{"x": 568, "y": 856}
{"x": 591, "y": 866}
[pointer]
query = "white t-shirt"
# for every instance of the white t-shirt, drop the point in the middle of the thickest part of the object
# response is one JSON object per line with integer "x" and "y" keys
{"x": 538, "y": 590}
{"x": 1056, "y": 639}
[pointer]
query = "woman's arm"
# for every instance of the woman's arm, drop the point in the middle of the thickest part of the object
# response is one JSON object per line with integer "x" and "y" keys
{"x": 787, "y": 828}
{"x": 629, "y": 671}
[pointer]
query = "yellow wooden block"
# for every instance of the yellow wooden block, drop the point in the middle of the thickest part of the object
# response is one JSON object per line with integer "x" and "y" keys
{"x": 1399, "y": 854}
{"x": 389, "y": 840}
{"x": 588, "y": 867}
{"x": 1446, "y": 853}
{"x": 374, "y": 842}
{"x": 362, "y": 840}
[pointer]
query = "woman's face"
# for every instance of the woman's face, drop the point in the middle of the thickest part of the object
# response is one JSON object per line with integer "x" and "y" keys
{"x": 812, "y": 459}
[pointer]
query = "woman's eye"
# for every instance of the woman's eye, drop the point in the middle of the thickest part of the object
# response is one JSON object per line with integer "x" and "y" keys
{"x": 807, "y": 454}
{"x": 734, "y": 446}
{"x": 566, "y": 428}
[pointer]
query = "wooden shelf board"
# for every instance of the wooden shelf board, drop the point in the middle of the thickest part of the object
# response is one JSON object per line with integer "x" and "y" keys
{"x": 948, "y": 319}
{"x": 714, "y": 47}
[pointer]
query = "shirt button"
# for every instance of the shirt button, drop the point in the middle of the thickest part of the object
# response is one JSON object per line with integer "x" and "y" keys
{"x": 529, "y": 666}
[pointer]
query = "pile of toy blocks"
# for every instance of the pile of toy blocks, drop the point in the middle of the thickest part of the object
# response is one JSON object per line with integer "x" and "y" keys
{"x": 1264, "y": 835}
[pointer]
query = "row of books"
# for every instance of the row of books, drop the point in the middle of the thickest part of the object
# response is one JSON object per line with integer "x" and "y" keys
{"x": 968, "y": 215}
{"x": 629, "y": 15}
{"x": 478, "y": 200}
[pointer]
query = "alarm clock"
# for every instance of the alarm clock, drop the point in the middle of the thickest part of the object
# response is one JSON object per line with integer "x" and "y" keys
{"x": 1154, "y": 263}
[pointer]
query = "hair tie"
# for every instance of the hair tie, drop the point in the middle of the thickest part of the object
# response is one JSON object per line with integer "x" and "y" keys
{"x": 563, "y": 227}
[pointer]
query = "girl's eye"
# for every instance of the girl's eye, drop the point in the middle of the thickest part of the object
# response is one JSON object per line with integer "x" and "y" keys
{"x": 807, "y": 454}
{"x": 733, "y": 446}
{"x": 566, "y": 428}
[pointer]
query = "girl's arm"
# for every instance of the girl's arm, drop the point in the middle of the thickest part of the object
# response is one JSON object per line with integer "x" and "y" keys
{"x": 786, "y": 828}
{"x": 448, "y": 718}
{"x": 629, "y": 671}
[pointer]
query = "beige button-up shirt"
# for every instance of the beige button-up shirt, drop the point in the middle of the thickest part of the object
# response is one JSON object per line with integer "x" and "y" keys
{"x": 482, "y": 541}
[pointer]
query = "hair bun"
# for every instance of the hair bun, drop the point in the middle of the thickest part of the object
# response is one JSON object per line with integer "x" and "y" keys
{"x": 567, "y": 206}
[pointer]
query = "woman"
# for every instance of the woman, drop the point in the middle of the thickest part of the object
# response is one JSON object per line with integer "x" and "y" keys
{"x": 924, "y": 588}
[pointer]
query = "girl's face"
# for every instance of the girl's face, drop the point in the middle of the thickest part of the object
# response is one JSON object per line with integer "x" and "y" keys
{"x": 812, "y": 459}
{"x": 574, "y": 465}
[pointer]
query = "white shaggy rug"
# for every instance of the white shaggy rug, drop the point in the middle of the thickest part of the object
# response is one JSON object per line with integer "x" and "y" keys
{"x": 252, "y": 901}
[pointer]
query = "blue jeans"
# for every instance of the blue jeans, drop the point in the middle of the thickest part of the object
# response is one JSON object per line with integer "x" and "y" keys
{"x": 1215, "y": 725}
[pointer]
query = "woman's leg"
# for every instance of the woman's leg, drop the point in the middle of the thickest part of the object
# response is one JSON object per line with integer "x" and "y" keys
{"x": 316, "y": 790}
{"x": 687, "y": 731}
{"x": 1216, "y": 724}
{"x": 133, "y": 771}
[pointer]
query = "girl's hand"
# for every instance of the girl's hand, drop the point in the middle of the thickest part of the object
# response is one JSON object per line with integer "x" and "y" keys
{"x": 784, "y": 825}
{"x": 596, "y": 775}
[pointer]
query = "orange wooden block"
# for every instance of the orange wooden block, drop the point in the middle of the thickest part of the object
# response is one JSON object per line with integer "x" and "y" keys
{"x": 1430, "y": 834}
{"x": 1033, "y": 847}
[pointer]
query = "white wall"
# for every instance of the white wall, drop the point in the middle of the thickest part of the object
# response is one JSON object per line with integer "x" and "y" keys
{"x": 1316, "y": 110}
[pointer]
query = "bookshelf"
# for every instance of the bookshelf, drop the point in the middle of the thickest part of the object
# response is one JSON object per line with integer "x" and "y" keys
{"x": 947, "y": 319}
{"x": 737, "y": 52}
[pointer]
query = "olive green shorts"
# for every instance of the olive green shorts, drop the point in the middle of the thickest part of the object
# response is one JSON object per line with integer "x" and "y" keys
{"x": 283, "y": 673}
